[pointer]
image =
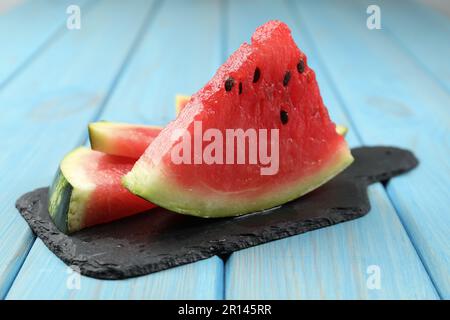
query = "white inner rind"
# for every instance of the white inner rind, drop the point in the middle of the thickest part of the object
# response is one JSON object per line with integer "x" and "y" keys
{"x": 151, "y": 183}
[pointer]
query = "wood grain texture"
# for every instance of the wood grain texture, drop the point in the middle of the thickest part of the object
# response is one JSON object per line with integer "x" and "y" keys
{"x": 26, "y": 28}
{"x": 86, "y": 74}
{"x": 330, "y": 263}
{"x": 334, "y": 262}
{"x": 179, "y": 54}
{"x": 421, "y": 32}
{"x": 392, "y": 100}
{"x": 145, "y": 93}
{"x": 44, "y": 276}
{"x": 46, "y": 108}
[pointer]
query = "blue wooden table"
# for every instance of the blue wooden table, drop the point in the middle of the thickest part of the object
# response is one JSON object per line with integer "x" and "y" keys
{"x": 129, "y": 59}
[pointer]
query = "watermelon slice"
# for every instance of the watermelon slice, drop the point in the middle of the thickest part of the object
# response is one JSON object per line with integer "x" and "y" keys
{"x": 87, "y": 191}
{"x": 265, "y": 85}
{"x": 124, "y": 139}
{"x": 121, "y": 139}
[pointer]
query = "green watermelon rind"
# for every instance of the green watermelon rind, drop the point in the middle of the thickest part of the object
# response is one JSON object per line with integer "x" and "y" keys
{"x": 58, "y": 203}
{"x": 70, "y": 182}
{"x": 149, "y": 183}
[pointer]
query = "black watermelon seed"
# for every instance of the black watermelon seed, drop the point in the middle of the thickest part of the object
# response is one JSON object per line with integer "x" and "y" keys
{"x": 301, "y": 66}
{"x": 284, "y": 117}
{"x": 240, "y": 87}
{"x": 287, "y": 77}
{"x": 229, "y": 84}
{"x": 256, "y": 75}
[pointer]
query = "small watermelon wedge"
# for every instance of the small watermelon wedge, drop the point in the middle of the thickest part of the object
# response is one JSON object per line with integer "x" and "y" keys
{"x": 264, "y": 85}
{"x": 125, "y": 139}
{"x": 87, "y": 190}
{"x": 121, "y": 139}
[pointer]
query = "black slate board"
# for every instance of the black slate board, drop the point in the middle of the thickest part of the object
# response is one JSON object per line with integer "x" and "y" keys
{"x": 160, "y": 239}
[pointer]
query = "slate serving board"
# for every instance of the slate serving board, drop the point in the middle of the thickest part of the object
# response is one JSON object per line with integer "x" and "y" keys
{"x": 160, "y": 239}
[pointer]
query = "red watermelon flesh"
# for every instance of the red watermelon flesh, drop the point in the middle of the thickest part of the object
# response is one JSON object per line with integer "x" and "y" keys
{"x": 264, "y": 85}
{"x": 88, "y": 191}
{"x": 121, "y": 139}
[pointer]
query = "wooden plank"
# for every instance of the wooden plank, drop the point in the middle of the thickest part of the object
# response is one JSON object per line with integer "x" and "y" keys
{"x": 179, "y": 54}
{"x": 422, "y": 32}
{"x": 35, "y": 24}
{"x": 46, "y": 108}
{"x": 145, "y": 93}
{"x": 332, "y": 262}
{"x": 392, "y": 100}
{"x": 43, "y": 276}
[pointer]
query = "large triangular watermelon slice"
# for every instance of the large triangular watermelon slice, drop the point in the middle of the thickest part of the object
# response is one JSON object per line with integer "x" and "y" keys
{"x": 264, "y": 85}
